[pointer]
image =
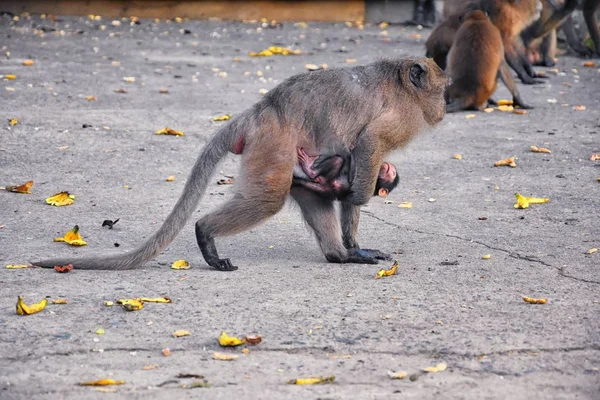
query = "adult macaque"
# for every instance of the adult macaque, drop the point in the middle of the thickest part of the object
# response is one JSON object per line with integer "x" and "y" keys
{"x": 475, "y": 61}
{"x": 331, "y": 175}
{"x": 372, "y": 109}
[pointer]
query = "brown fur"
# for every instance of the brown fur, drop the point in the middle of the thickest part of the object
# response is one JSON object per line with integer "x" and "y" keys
{"x": 474, "y": 63}
{"x": 509, "y": 16}
{"x": 371, "y": 109}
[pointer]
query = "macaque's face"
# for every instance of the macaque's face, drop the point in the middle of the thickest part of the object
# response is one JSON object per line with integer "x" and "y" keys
{"x": 387, "y": 174}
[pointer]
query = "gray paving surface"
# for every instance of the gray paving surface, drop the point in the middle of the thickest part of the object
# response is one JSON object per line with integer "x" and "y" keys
{"x": 317, "y": 319}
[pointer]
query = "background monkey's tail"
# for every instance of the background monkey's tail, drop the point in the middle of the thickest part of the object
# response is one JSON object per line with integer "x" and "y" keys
{"x": 193, "y": 191}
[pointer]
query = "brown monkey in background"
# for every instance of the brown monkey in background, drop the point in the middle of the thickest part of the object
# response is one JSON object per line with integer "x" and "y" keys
{"x": 509, "y": 16}
{"x": 330, "y": 174}
{"x": 372, "y": 109}
{"x": 475, "y": 61}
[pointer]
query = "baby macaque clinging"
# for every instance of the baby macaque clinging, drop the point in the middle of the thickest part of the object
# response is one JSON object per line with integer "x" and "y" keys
{"x": 371, "y": 109}
{"x": 330, "y": 174}
{"x": 475, "y": 61}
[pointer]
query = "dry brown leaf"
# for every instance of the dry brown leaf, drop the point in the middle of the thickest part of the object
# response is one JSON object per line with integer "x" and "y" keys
{"x": 24, "y": 188}
{"x": 589, "y": 64}
{"x": 63, "y": 268}
{"x": 252, "y": 339}
{"x": 120, "y": 90}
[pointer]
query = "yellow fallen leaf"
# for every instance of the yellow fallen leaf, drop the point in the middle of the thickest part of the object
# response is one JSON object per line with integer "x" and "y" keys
{"x": 438, "y": 368}
{"x": 397, "y": 375}
{"x": 469, "y": 116}
{"x": 301, "y": 25}
{"x": 225, "y": 117}
{"x": 129, "y": 79}
{"x": 156, "y": 300}
{"x": 13, "y": 121}
{"x": 524, "y": 202}
{"x": 311, "y": 381}
{"x": 457, "y": 156}
{"x": 508, "y": 161}
{"x": 102, "y": 382}
{"x": 28, "y": 63}
{"x": 229, "y": 341}
{"x": 131, "y": 304}
{"x": 388, "y": 272}
{"x": 488, "y": 110}
{"x": 503, "y": 102}
{"x": 24, "y": 309}
{"x": 61, "y": 199}
{"x": 405, "y": 204}
{"x": 224, "y": 356}
{"x": 246, "y": 351}
{"x": 350, "y": 60}
{"x": 24, "y": 188}
{"x": 181, "y": 332}
{"x": 531, "y": 300}
{"x": 100, "y": 331}
{"x": 275, "y": 50}
{"x": 170, "y": 178}
{"x": 486, "y": 256}
{"x": 169, "y": 131}
{"x": 591, "y": 251}
{"x": 506, "y": 108}
{"x": 18, "y": 266}
{"x": 60, "y": 301}
{"x": 10, "y": 77}
{"x": 72, "y": 237}
{"x": 109, "y": 303}
{"x": 149, "y": 367}
{"x": 180, "y": 264}
{"x": 536, "y": 149}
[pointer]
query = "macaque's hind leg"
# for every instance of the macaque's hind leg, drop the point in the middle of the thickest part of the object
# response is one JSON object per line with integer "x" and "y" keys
{"x": 506, "y": 77}
{"x": 263, "y": 195}
{"x": 320, "y": 215}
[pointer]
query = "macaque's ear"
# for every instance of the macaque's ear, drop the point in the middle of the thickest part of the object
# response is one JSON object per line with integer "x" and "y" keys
{"x": 383, "y": 192}
{"x": 418, "y": 74}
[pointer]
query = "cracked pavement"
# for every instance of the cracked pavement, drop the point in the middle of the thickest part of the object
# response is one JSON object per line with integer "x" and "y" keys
{"x": 446, "y": 304}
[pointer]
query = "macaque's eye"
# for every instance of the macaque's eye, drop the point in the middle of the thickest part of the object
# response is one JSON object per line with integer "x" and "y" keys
{"x": 418, "y": 75}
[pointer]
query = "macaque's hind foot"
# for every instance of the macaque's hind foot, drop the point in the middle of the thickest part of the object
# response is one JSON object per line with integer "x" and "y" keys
{"x": 222, "y": 264}
{"x": 361, "y": 256}
{"x": 380, "y": 255}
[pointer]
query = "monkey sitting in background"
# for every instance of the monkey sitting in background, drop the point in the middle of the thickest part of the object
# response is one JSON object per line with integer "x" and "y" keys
{"x": 330, "y": 174}
{"x": 475, "y": 61}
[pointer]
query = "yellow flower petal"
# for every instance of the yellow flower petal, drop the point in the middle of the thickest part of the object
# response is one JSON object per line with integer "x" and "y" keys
{"x": 102, "y": 382}
{"x": 131, "y": 304}
{"x": 72, "y": 237}
{"x": 61, "y": 199}
{"x": 312, "y": 381}
{"x": 24, "y": 309}
{"x": 222, "y": 117}
{"x": 531, "y": 300}
{"x": 224, "y": 356}
{"x": 181, "y": 332}
{"x": 438, "y": 368}
{"x": 180, "y": 264}
{"x": 156, "y": 299}
{"x": 388, "y": 272}
{"x": 169, "y": 131}
{"x": 229, "y": 341}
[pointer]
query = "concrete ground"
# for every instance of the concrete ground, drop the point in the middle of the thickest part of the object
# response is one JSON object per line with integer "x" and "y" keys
{"x": 446, "y": 304}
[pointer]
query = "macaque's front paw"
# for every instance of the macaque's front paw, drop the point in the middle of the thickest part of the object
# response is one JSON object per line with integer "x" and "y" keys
{"x": 380, "y": 255}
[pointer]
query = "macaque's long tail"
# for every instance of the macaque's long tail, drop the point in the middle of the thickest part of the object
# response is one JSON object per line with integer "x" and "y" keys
{"x": 193, "y": 191}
